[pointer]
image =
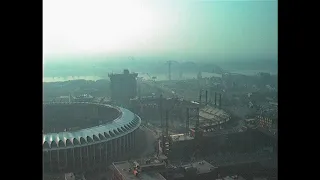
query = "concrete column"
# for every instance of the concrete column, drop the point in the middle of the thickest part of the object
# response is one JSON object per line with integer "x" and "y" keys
{"x": 50, "y": 161}
{"x": 88, "y": 159}
{"x": 115, "y": 148}
{"x": 94, "y": 154}
{"x": 130, "y": 141}
{"x": 126, "y": 138}
{"x": 100, "y": 149}
{"x": 125, "y": 143}
{"x": 111, "y": 151}
{"x": 73, "y": 159}
{"x": 120, "y": 146}
{"x": 66, "y": 152}
{"x": 80, "y": 157}
{"x": 134, "y": 139}
{"x": 106, "y": 144}
{"x": 58, "y": 158}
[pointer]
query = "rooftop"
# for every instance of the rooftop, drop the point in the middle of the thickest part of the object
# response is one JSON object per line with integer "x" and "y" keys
{"x": 232, "y": 178}
{"x": 125, "y": 73}
{"x": 214, "y": 115}
{"x": 62, "y": 99}
{"x": 125, "y": 169}
{"x": 180, "y": 137}
{"x": 85, "y": 96}
{"x": 202, "y": 167}
{"x": 125, "y": 123}
{"x": 214, "y": 111}
{"x": 209, "y": 75}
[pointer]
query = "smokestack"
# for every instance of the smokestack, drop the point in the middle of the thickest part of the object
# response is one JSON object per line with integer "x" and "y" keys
{"x": 197, "y": 128}
{"x": 220, "y": 100}
{"x": 198, "y": 120}
{"x": 187, "y": 122}
{"x": 169, "y": 69}
{"x": 167, "y": 123}
{"x": 211, "y": 95}
{"x": 215, "y": 98}
{"x": 160, "y": 111}
{"x": 206, "y": 97}
{"x": 200, "y": 97}
{"x": 139, "y": 91}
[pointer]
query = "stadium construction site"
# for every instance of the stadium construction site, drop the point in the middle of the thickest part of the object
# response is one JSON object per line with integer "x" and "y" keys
{"x": 169, "y": 138}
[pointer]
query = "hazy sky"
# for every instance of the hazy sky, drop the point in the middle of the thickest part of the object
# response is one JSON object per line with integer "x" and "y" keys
{"x": 211, "y": 28}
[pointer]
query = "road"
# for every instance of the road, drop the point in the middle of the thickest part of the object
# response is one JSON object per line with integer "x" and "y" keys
{"x": 164, "y": 90}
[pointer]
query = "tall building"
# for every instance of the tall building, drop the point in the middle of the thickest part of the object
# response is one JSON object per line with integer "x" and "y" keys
{"x": 123, "y": 87}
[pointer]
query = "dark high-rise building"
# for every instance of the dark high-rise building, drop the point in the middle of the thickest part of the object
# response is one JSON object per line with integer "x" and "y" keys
{"x": 123, "y": 87}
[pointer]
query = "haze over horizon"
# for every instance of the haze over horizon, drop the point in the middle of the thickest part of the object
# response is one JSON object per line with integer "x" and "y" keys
{"x": 175, "y": 29}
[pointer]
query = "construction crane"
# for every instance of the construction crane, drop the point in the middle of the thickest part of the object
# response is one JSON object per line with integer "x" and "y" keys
{"x": 155, "y": 83}
{"x": 131, "y": 58}
{"x": 160, "y": 88}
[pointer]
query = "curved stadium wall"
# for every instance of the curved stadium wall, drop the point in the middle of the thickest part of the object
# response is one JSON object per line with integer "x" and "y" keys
{"x": 92, "y": 147}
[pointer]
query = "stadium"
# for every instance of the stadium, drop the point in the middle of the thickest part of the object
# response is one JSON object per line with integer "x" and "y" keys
{"x": 81, "y": 136}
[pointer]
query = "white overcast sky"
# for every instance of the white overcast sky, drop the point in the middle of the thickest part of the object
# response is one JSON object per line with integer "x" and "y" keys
{"x": 159, "y": 27}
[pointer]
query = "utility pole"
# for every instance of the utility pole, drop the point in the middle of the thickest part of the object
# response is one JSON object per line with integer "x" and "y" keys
{"x": 165, "y": 136}
{"x": 206, "y": 97}
{"x": 215, "y": 99}
{"x": 193, "y": 115}
{"x": 187, "y": 122}
{"x": 220, "y": 95}
{"x": 169, "y": 69}
{"x": 160, "y": 111}
{"x": 167, "y": 124}
{"x": 201, "y": 93}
